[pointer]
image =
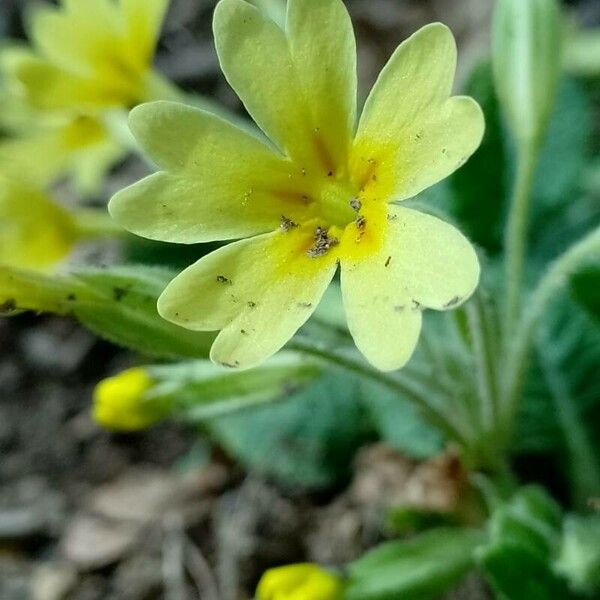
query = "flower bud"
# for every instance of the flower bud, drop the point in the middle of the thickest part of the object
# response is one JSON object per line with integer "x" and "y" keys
{"x": 121, "y": 402}
{"x": 527, "y": 62}
{"x": 303, "y": 581}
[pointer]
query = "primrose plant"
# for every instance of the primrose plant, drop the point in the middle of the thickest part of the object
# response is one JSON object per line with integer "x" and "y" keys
{"x": 315, "y": 183}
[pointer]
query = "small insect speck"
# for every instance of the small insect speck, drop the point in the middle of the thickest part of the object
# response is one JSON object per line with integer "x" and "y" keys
{"x": 416, "y": 305}
{"x": 392, "y": 217}
{"x": 243, "y": 332}
{"x": 330, "y": 174}
{"x": 304, "y": 304}
{"x": 251, "y": 304}
{"x": 355, "y": 204}
{"x": 223, "y": 279}
{"x": 233, "y": 365}
{"x": 8, "y": 306}
{"x": 119, "y": 293}
{"x": 387, "y": 261}
{"x": 361, "y": 222}
{"x": 453, "y": 302}
{"x": 71, "y": 297}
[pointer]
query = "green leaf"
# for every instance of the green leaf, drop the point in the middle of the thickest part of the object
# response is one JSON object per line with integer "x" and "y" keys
{"x": 118, "y": 304}
{"x": 579, "y": 558}
{"x": 419, "y": 568}
{"x": 127, "y": 314}
{"x": 585, "y": 287}
{"x": 398, "y": 423}
{"x": 306, "y": 440}
{"x": 517, "y": 573}
{"x": 532, "y": 520}
{"x": 524, "y": 535}
{"x": 561, "y": 404}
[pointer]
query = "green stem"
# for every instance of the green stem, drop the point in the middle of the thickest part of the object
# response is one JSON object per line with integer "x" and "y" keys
{"x": 402, "y": 386}
{"x": 484, "y": 363}
{"x": 95, "y": 224}
{"x": 555, "y": 278}
{"x": 516, "y": 231}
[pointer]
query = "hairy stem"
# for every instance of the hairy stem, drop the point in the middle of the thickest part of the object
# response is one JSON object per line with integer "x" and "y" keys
{"x": 516, "y": 231}
{"x": 401, "y": 385}
{"x": 485, "y": 362}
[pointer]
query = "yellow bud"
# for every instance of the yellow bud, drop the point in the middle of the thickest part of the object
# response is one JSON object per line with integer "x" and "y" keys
{"x": 35, "y": 233}
{"x": 302, "y": 581}
{"x": 120, "y": 403}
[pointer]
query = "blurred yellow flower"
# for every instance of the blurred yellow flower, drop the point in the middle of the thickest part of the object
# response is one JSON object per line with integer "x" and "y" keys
{"x": 50, "y": 148}
{"x": 299, "y": 582}
{"x": 90, "y": 54}
{"x": 35, "y": 233}
{"x": 316, "y": 194}
{"x": 120, "y": 404}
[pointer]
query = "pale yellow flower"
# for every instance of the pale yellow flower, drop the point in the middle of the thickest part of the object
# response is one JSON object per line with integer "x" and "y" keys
{"x": 316, "y": 194}
{"x": 90, "y": 54}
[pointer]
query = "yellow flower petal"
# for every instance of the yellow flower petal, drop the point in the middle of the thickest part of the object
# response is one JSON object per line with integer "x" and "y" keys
{"x": 96, "y": 52}
{"x": 46, "y": 151}
{"x": 77, "y": 35}
{"x": 299, "y": 87}
{"x": 258, "y": 291}
{"x": 423, "y": 263}
{"x": 410, "y": 123}
{"x": 222, "y": 182}
{"x": 35, "y": 233}
{"x": 49, "y": 87}
{"x": 143, "y": 20}
{"x": 323, "y": 50}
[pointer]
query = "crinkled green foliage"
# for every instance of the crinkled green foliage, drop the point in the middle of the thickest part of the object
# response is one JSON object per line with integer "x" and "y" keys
{"x": 420, "y": 568}
{"x": 308, "y": 438}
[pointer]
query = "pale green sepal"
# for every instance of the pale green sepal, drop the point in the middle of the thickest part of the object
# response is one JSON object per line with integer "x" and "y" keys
{"x": 526, "y": 56}
{"x": 200, "y": 390}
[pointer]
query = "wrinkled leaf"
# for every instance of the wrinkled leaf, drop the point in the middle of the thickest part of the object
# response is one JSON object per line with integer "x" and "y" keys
{"x": 419, "y": 568}
{"x": 307, "y": 439}
{"x": 118, "y": 304}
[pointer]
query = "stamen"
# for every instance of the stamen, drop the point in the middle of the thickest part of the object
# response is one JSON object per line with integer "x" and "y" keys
{"x": 322, "y": 243}
{"x": 287, "y": 224}
{"x": 355, "y": 204}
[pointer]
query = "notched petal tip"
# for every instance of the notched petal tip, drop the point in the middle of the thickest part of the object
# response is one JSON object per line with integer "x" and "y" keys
{"x": 141, "y": 117}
